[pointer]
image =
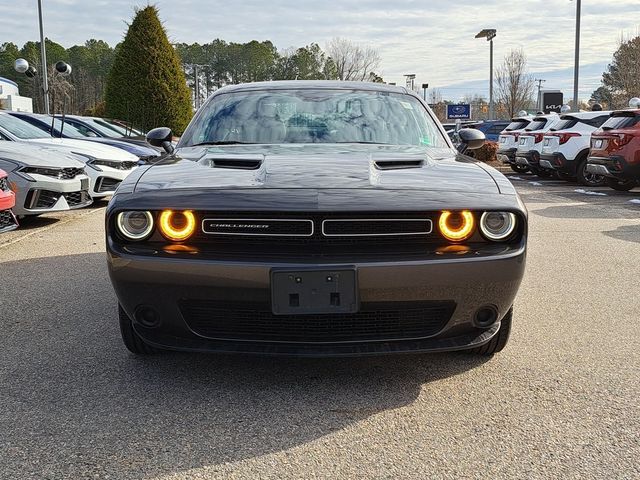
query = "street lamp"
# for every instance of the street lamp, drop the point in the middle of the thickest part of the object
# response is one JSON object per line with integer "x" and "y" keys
{"x": 22, "y": 66}
{"x": 43, "y": 54}
{"x": 489, "y": 34}
{"x": 576, "y": 67}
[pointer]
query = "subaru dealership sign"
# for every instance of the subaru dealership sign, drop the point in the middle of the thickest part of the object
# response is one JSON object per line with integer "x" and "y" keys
{"x": 462, "y": 112}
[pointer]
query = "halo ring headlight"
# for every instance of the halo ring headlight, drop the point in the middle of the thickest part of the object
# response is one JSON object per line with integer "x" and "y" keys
{"x": 177, "y": 226}
{"x": 497, "y": 226}
{"x": 456, "y": 226}
{"x": 135, "y": 225}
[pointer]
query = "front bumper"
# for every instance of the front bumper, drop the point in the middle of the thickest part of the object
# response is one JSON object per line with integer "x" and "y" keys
{"x": 168, "y": 284}
{"x": 47, "y": 194}
{"x": 613, "y": 167}
{"x": 105, "y": 181}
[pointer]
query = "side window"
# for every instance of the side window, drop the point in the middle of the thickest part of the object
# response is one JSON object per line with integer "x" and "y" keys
{"x": 598, "y": 121}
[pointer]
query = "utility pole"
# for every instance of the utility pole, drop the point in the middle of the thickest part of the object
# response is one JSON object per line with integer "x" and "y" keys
{"x": 576, "y": 67}
{"x": 43, "y": 54}
{"x": 540, "y": 82}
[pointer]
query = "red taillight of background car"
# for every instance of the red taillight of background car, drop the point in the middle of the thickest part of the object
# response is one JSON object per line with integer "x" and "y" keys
{"x": 623, "y": 139}
{"x": 538, "y": 137}
{"x": 516, "y": 135}
{"x": 564, "y": 137}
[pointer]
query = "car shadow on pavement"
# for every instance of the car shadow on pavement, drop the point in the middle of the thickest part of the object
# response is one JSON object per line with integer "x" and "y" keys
{"x": 75, "y": 401}
{"x": 31, "y": 222}
{"x": 629, "y": 233}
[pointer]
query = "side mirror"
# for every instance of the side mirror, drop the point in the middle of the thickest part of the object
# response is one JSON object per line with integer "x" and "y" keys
{"x": 471, "y": 138}
{"x": 161, "y": 137}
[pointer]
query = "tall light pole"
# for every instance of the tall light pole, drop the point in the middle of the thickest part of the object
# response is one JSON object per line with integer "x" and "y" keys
{"x": 540, "y": 82}
{"x": 489, "y": 34}
{"x": 43, "y": 54}
{"x": 576, "y": 67}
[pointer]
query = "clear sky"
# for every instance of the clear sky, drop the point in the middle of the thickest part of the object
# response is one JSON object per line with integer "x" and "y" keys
{"x": 432, "y": 38}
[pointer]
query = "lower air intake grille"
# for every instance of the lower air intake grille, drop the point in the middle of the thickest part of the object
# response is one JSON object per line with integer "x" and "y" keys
{"x": 4, "y": 185}
{"x": 108, "y": 184}
{"x": 77, "y": 198}
{"x": 6, "y": 220}
{"x": 375, "y": 322}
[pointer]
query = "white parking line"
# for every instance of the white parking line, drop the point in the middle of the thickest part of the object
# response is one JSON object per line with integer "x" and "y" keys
{"x": 513, "y": 177}
{"x": 635, "y": 200}
{"x": 590, "y": 192}
{"x": 535, "y": 183}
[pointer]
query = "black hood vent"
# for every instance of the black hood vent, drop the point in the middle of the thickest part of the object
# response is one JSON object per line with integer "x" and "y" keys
{"x": 398, "y": 164}
{"x": 234, "y": 162}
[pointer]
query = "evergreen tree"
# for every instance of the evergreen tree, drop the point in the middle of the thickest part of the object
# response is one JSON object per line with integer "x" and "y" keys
{"x": 146, "y": 85}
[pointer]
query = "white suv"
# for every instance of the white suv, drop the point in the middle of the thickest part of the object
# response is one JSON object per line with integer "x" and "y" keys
{"x": 566, "y": 147}
{"x": 508, "y": 142}
{"x": 530, "y": 143}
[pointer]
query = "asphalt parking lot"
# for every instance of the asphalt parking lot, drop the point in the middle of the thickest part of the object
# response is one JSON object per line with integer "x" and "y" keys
{"x": 560, "y": 402}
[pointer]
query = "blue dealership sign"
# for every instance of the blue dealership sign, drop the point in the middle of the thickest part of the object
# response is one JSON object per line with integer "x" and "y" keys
{"x": 462, "y": 111}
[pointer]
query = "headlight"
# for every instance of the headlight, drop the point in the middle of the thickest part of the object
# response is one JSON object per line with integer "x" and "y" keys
{"x": 46, "y": 171}
{"x": 135, "y": 225}
{"x": 177, "y": 226}
{"x": 497, "y": 226}
{"x": 456, "y": 226}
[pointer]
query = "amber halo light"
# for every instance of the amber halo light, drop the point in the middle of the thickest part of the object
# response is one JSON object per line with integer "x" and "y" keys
{"x": 177, "y": 226}
{"x": 456, "y": 226}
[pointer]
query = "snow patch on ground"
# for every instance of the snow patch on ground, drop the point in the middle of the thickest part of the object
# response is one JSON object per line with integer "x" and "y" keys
{"x": 635, "y": 200}
{"x": 513, "y": 177}
{"x": 535, "y": 183}
{"x": 590, "y": 192}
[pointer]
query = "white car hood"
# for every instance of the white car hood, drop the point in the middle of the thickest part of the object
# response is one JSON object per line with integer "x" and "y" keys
{"x": 92, "y": 149}
{"x": 38, "y": 155}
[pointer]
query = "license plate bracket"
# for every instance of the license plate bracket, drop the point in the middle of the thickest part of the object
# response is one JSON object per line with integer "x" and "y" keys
{"x": 314, "y": 291}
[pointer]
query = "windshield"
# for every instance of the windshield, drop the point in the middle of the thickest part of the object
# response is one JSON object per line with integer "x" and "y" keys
{"x": 314, "y": 116}
{"x": 115, "y": 128}
{"x": 517, "y": 125}
{"x": 104, "y": 130}
{"x": 69, "y": 130}
{"x": 21, "y": 129}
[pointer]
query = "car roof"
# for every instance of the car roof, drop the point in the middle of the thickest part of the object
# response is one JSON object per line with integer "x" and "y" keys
{"x": 312, "y": 85}
{"x": 585, "y": 115}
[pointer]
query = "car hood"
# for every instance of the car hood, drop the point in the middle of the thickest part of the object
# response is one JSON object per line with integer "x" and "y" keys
{"x": 317, "y": 167}
{"x": 83, "y": 147}
{"x": 136, "y": 149}
{"x": 38, "y": 155}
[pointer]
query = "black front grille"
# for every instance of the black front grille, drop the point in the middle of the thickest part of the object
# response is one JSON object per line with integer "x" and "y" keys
{"x": 7, "y": 220}
{"x": 4, "y": 185}
{"x": 374, "y": 322}
{"x": 108, "y": 184}
{"x": 375, "y": 234}
{"x": 77, "y": 198}
{"x": 70, "y": 173}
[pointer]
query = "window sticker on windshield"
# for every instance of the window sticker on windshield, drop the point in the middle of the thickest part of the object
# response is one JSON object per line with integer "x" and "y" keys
{"x": 425, "y": 141}
{"x": 407, "y": 105}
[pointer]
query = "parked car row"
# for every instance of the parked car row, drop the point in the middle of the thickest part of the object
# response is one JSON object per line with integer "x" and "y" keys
{"x": 593, "y": 148}
{"x": 47, "y": 165}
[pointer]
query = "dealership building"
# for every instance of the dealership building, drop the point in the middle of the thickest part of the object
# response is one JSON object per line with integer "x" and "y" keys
{"x": 10, "y": 98}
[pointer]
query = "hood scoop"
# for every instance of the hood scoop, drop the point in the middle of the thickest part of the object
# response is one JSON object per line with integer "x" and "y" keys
{"x": 233, "y": 161}
{"x": 398, "y": 161}
{"x": 398, "y": 164}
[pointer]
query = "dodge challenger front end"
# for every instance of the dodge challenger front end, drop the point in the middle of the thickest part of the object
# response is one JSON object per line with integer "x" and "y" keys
{"x": 349, "y": 226}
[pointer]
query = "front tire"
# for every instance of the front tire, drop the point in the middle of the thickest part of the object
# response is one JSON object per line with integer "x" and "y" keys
{"x": 131, "y": 339}
{"x": 621, "y": 185}
{"x": 499, "y": 340}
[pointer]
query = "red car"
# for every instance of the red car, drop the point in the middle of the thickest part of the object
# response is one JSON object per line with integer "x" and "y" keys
{"x": 7, "y": 201}
{"x": 615, "y": 150}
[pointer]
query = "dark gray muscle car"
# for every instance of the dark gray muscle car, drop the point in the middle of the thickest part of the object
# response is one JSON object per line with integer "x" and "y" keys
{"x": 315, "y": 218}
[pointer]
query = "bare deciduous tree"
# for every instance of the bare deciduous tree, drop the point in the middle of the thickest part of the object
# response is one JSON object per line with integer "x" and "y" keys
{"x": 514, "y": 84}
{"x": 352, "y": 61}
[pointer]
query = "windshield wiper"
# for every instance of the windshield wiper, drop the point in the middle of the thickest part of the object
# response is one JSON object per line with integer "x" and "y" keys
{"x": 224, "y": 142}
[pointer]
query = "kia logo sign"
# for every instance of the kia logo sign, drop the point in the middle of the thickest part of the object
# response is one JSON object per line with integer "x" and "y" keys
{"x": 462, "y": 111}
